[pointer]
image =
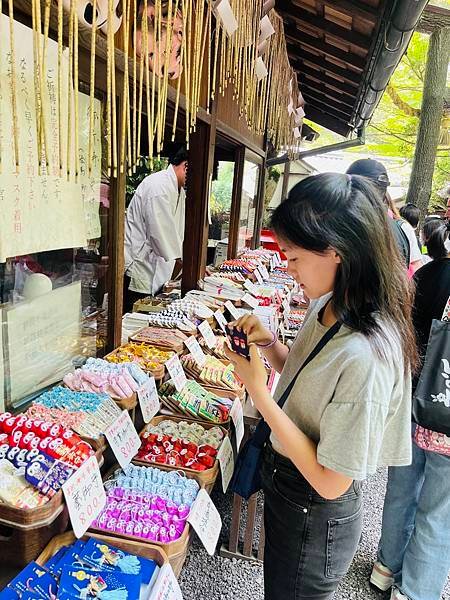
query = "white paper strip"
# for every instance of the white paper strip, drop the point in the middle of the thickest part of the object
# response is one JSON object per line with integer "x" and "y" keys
{"x": 260, "y": 68}
{"x": 223, "y": 10}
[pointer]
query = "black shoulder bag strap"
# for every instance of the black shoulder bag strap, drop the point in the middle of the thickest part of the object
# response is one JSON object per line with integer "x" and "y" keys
{"x": 262, "y": 431}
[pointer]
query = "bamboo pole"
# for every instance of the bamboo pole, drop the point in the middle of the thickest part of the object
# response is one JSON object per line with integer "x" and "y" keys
{"x": 182, "y": 58}
{"x": 92, "y": 87}
{"x": 13, "y": 85}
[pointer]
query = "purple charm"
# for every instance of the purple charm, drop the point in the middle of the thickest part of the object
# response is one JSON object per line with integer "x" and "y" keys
{"x": 183, "y": 511}
{"x": 160, "y": 503}
{"x": 153, "y": 533}
{"x": 138, "y": 529}
{"x": 129, "y": 529}
{"x": 164, "y": 535}
{"x": 171, "y": 508}
{"x": 178, "y": 523}
{"x": 145, "y": 531}
{"x": 121, "y": 526}
{"x": 173, "y": 533}
{"x": 166, "y": 519}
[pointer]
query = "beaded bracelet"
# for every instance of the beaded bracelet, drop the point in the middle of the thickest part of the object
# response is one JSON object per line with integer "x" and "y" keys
{"x": 270, "y": 344}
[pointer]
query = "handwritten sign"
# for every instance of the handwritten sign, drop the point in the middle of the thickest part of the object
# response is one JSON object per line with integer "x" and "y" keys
{"x": 176, "y": 372}
{"x": 208, "y": 334}
{"x": 196, "y": 351}
{"x": 149, "y": 399}
{"x": 237, "y": 416}
{"x": 221, "y": 320}
{"x": 251, "y": 287}
{"x": 250, "y": 300}
{"x": 166, "y": 586}
{"x": 205, "y": 519}
{"x": 85, "y": 496}
{"x": 123, "y": 439}
{"x": 226, "y": 462}
{"x": 232, "y": 309}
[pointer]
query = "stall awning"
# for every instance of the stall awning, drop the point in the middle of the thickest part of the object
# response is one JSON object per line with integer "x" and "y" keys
{"x": 344, "y": 52}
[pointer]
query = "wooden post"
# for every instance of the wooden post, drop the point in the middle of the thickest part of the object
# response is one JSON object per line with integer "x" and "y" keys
{"x": 285, "y": 187}
{"x": 201, "y": 161}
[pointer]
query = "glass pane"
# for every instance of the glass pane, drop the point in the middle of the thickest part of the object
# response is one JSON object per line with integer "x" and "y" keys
{"x": 220, "y": 210}
{"x": 247, "y": 213}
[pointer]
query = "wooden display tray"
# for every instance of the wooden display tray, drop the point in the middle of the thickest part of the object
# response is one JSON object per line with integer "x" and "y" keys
{"x": 207, "y": 477}
{"x": 173, "y": 549}
{"x": 65, "y": 539}
{"x": 139, "y": 339}
{"x": 156, "y": 373}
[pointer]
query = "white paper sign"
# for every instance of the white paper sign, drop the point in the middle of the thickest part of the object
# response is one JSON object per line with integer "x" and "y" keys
{"x": 223, "y": 10}
{"x": 123, "y": 439}
{"x": 251, "y": 287}
{"x": 176, "y": 372}
{"x": 258, "y": 276}
{"x": 166, "y": 586}
{"x": 226, "y": 461}
{"x": 196, "y": 351}
{"x": 260, "y": 69}
{"x": 205, "y": 519}
{"x": 85, "y": 496}
{"x": 221, "y": 320}
{"x": 264, "y": 271}
{"x": 237, "y": 416}
{"x": 286, "y": 305}
{"x": 149, "y": 399}
{"x": 250, "y": 300}
{"x": 208, "y": 334}
{"x": 266, "y": 28}
{"x": 233, "y": 310}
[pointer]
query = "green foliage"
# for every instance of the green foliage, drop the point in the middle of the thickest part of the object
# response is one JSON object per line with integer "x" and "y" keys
{"x": 144, "y": 168}
{"x": 222, "y": 189}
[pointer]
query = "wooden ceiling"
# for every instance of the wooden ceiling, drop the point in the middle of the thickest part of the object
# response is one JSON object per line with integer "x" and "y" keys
{"x": 330, "y": 45}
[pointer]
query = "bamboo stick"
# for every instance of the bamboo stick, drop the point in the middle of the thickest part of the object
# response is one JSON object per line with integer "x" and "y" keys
{"x": 113, "y": 88}
{"x": 182, "y": 58}
{"x": 76, "y": 98}
{"x": 125, "y": 95}
{"x": 70, "y": 91}
{"x": 92, "y": 87}
{"x": 141, "y": 84}
{"x": 134, "y": 158}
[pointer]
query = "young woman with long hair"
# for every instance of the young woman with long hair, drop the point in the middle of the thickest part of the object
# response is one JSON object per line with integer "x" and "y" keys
{"x": 349, "y": 409}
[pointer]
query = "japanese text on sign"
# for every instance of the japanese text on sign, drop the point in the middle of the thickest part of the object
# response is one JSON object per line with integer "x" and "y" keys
{"x": 232, "y": 309}
{"x": 250, "y": 300}
{"x": 207, "y": 333}
{"x": 85, "y": 496}
{"x": 205, "y": 519}
{"x": 221, "y": 320}
{"x": 226, "y": 462}
{"x": 149, "y": 399}
{"x": 166, "y": 586}
{"x": 176, "y": 372}
{"x": 237, "y": 416}
{"x": 123, "y": 439}
{"x": 196, "y": 351}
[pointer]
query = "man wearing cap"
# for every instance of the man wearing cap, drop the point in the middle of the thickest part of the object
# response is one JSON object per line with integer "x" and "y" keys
{"x": 154, "y": 231}
{"x": 402, "y": 230}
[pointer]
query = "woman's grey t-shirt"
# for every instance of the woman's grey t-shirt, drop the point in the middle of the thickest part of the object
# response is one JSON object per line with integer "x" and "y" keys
{"x": 355, "y": 405}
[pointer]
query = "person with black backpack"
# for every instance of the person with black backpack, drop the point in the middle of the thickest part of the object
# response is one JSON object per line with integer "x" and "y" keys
{"x": 402, "y": 230}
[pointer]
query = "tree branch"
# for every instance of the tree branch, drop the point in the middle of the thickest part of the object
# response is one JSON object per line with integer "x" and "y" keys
{"x": 402, "y": 139}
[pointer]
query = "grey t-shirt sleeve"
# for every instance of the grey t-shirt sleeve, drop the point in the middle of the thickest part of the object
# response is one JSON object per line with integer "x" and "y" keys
{"x": 353, "y": 424}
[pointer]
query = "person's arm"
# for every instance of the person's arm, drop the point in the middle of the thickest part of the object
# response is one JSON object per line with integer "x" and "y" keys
{"x": 297, "y": 446}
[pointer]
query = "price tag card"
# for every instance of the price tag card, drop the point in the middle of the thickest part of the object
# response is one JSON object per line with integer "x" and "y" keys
{"x": 226, "y": 461}
{"x": 205, "y": 519}
{"x": 286, "y": 306}
{"x": 123, "y": 439}
{"x": 149, "y": 399}
{"x": 196, "y": 350}
{"x": 233, "y": 310}
{"x": 166, "y": 586}
{"x": 250, "y": 300}
{"x": 264, "y": 272}
{"x": 258, "y": 276}
{"x": 221, "y": 320}
{"x": 176, "y": 372}
{"x": 237, "y": 416}
{"x": 208, "y": 334}
{"x": 85, "y": 496}
{"x": 251, "y": 287}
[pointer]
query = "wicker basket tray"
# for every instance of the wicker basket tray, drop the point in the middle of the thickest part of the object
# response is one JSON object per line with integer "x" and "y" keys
{"x": 206, "y": 478}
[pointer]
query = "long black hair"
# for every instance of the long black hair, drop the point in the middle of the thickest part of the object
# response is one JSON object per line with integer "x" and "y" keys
{"x": 345, "y": 212}
{"x": 435, "y": 233}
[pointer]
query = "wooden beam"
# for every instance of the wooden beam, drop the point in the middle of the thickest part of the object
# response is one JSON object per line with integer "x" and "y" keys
{"x": 328, "y": 121}
{"x": 318, "y": 98}
{"x": 349, "y": 76}
{"x": 236, "y": 201}
{"x": 353, "y": 9}
{"x": 328, "y": 86}
{"x": 325, "y": 77}
{"x": 288, "y": 12}
{"x": 300, "y": 37}
{"x": 327, "y": 93}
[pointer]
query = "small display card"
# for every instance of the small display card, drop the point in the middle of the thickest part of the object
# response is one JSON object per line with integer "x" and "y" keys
{"x": 205, "y": 519}
{"x": 85, "y": 496}
{"x": 221, "y": 320}
{"x": 251, "y": 287}
{"x": 149, "y": 399}
{"x": 123, "y": 439}
{"x": 237, "y": 416}
{"x": 196, "y": 350}
{"x": 166, "y": 586}
{"x": 232, "y": 309}
{"x": 250, "y": 300}
{"x": 264, "y": 272}
{"x": 208, "y": 334}
{"x": 258, "y": 276}
{"x": 176, "y": 372}
{"x": 226, "y": 461}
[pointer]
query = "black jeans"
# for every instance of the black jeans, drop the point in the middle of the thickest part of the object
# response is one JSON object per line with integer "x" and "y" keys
{"x": 310, "y": 541}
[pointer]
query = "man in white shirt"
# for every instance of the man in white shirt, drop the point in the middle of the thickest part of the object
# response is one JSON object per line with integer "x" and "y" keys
{"x": 154, "y": 231}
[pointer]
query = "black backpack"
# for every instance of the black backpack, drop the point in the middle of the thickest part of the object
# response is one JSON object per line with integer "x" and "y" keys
{"x": 401, "y": 239}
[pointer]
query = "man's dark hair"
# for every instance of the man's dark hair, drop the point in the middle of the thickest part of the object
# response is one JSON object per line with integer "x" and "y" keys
{"x": 410, "y": 213}
{"x": 179, "y": 156}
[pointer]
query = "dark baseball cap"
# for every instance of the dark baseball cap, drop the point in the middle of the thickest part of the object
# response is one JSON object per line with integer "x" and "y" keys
{"x": 370, "y": 168}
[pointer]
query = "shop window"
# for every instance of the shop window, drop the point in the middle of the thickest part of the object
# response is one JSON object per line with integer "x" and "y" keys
{"x": 248, "y": 209}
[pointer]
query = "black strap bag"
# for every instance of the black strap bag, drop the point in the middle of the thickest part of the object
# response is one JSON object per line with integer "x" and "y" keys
{"x": 246, "y": 477}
